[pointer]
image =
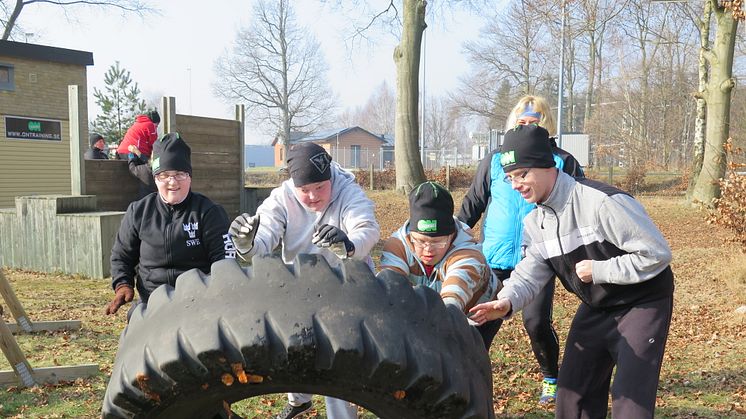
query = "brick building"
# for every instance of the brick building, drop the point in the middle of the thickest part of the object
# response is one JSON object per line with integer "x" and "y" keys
{"x": 352, "y": 147}
{"x": 34, "y": 118}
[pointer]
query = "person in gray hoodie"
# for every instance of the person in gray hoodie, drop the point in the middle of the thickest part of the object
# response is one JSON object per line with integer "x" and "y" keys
{"x": 319, "y": 209}
{"x": 605, "y": 249}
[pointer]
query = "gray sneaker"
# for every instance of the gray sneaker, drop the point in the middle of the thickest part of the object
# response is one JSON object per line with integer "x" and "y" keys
{"x": 291, "y": 411}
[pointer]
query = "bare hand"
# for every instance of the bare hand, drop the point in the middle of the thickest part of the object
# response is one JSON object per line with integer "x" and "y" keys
{"x": 584, "y": 269}
{"x": 490, "y": 310}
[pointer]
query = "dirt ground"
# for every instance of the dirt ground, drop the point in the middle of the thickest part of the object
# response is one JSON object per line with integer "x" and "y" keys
{"x": 703, "y": 372}
{"x": 702, "y": 377}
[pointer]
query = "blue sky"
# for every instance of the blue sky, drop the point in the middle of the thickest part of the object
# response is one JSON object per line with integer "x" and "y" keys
{"x": 173, "y": 53}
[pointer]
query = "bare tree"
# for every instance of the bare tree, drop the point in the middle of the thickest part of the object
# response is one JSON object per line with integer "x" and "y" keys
{"x": 717, "y": 95}
{"x": 276, "y": 69}
{"x": 511, "y": 58}
{"x": 440, "y": 124}
{"x": 11, "y": 15}
{"x": 595, "y": 17}
{"x": 409, "y": 170}
{"x": 378, "y": 115}
{"x": 407, "y": 18}
{"x": 514, "y": 46}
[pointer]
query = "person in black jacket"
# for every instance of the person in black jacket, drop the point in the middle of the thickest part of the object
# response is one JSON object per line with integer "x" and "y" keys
{"x": 502, "y": 236}
{"x": 96, "y": 151}
{"x": 169, "y": 232}
{"x": 140, "y": 168}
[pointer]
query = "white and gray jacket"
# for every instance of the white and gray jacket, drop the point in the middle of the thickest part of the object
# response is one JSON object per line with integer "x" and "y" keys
{"x": 284, "y": 217}
{"x": 585, "y": 219}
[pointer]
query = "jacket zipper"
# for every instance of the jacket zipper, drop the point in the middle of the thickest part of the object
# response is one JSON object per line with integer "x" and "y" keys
{"x": 563, "y": 255}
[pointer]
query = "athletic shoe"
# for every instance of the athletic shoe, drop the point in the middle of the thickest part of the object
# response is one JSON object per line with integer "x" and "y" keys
{"x": 291, "y": 411}
{"x": 548, "y": 391}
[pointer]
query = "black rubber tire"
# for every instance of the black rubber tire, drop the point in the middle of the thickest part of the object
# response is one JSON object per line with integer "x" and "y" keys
{"x": 397, "y": 351}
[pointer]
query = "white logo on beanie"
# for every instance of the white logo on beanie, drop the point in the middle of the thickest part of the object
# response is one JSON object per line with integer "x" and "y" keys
{"x": 321, "y": 162}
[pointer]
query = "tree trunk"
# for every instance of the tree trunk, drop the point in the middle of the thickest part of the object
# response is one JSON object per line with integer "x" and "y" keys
{"x": 698, "y": 148}
{"x": 12, "y": 20}
{"x": 718, "y": 94}
{"x": 409, "y": 171}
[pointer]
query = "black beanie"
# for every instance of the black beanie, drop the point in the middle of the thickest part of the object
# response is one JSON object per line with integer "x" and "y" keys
{"x": 309, "y": 163}
{"x": 431, "y": 210}
{"x": 171, "y": 153}
{"x": 94, "y": 137}
{"x": 154, "y": 116}
{"x": 526, "y": 146}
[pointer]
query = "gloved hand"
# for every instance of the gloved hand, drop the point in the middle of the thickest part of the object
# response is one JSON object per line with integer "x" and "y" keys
{"x": 327, "y": 235}
{"x": 242, "y": 231}
{"x": 124, "y": 294}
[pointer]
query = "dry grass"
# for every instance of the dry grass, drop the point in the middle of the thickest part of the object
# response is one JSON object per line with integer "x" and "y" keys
{"x": 702, "y": 373}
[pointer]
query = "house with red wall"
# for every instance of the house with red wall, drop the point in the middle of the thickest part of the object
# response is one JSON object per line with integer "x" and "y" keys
{"x": 352, "y": 147}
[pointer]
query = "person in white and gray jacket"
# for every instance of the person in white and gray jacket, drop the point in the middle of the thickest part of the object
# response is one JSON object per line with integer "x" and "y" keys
{"x": 606, "y": 250}
{"x": 319, "y": 208}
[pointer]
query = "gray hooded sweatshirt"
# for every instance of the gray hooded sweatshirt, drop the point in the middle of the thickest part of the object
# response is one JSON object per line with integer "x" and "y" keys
{"x": 284, "y": 217}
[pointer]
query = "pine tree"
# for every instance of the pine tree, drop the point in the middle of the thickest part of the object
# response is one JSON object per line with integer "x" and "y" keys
{"x": 119, "y": 102}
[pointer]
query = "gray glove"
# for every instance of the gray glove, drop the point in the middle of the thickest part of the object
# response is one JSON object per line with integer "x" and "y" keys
{"x": 242, "y": 231}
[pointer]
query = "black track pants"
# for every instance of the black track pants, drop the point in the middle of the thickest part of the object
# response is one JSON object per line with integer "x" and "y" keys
{"x": 537, "y": 319}
{"x": 633, "y": 339}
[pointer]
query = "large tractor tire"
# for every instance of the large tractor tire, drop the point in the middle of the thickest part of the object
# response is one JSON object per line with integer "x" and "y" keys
{"x": 395, "y": 350}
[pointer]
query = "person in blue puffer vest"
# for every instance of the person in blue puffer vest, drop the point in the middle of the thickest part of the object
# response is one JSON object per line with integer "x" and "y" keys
{"x": 502, "y": 233}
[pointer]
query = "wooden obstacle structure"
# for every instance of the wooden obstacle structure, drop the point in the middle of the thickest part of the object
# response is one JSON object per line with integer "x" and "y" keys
{"x": 22, "y": 373}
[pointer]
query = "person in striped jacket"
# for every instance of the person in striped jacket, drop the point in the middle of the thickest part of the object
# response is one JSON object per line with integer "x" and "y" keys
{"x": 434, "y": 249}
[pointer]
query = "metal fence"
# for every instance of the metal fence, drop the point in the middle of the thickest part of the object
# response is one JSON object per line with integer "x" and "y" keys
{"x": 383, "y": 157}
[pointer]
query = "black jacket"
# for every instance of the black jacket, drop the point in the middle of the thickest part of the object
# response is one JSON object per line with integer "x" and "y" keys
{"x": 158, "y": 242}
{"x": 94, "y": 153}
{"x": 142, "y": 171}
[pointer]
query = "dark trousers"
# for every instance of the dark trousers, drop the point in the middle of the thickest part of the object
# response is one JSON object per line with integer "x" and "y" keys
{"x": 537, "y": 320}
{"x": 631, "y": 339}
{"x": 488, "y": 330}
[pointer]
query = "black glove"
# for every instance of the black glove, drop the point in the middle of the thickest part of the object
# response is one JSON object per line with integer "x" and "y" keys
{"x": 124, "y": 294}
{"x": 327, "y": 235}
{"x": 242, "y": 231}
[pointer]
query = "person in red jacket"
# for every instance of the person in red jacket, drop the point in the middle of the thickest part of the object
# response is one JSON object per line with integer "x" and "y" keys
{"x": 142, "y": 134}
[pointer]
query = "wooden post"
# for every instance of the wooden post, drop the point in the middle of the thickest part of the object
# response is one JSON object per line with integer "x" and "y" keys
{"x": 13, "y": 304}
{"x": 23, "y": 323}
{"x": 77, "y": 172}
{"x": 168, "y": 107}
{"x": 371, "y": 176}
{"x": 22, "y": 373}
{"x": 241, "y": 118}
{"x": 14, "y": 355}
{"x": 448, "y": 176}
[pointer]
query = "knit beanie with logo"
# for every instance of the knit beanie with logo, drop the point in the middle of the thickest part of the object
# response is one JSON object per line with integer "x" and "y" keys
{"x": 431, "y": 210}
{"x": 171, "y": 153}
{"x": 526, "y": 146}
{"x": 309, "y": 163}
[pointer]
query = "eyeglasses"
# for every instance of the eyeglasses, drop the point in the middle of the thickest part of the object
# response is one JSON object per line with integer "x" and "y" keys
{"x": 516, "y": 178}
{"x": 421, "y": 244}
{"x": 178, "y": 176}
